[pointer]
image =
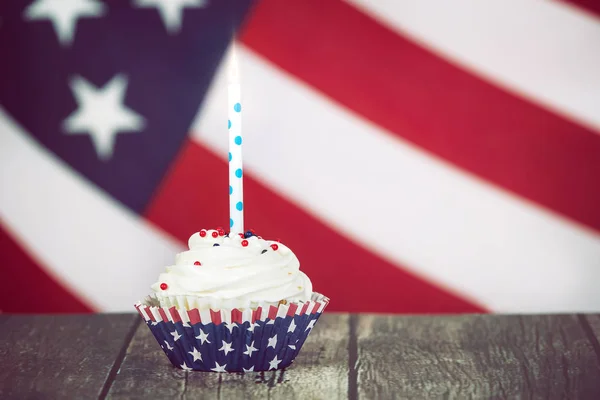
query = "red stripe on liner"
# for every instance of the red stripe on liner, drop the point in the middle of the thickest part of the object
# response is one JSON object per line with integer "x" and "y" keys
{"x": 304, "y": 308}
{"x": 175, "y": 314}
{"x": 28, "y": 287}
{"x": 149, "y": 314}
{"x": 292, "y": 310}
{"x": 194, "y": 316}
{"x": 315, "y": 308}
{"x": 163, "y": 314}
{"x": 421, "y": 97}
{"x": 215, "y": 317}
{"x": 236, "y": 316}
{"x": 137, "y": 307}
{"x": 256, "y": 314}
{"x": 335, "y": 269}
{"x": 272, "y": 312}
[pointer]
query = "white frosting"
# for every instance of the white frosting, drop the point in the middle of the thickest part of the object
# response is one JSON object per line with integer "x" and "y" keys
{"x": 235, "y": 275}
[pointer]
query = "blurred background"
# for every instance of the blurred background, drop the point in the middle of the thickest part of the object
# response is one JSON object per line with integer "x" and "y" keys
{"x": 418, "y": 157}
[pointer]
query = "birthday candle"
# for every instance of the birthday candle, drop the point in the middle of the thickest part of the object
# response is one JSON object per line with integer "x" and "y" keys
{"x": 234, "y": 124}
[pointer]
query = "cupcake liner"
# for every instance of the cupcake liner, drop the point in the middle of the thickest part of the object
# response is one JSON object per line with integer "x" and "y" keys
{"x": 260, "y": 339}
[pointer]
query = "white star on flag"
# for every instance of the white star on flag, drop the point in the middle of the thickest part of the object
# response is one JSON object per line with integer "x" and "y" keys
{"x": 171, "y": 11}
{"x": 274, "y": 363}
{"x": 270, "y": 322}
{"x": 250, "y": 349}
{"x": 219, "y": 368}
{"x": 101, "y": 113}
{"x": 310, "y": 325}
{"x": 64, "y": 15}
{"x": 252, "y": 326}
{"x": 203, "y": 337}
{"x": 196, "y": 354}
{"x": 292, "y": 346}
{"x": 292, "y": 326}
{"x": 176, "y": 335}
{"x": 272, "y": 342}
{"x": 251, "y": 369}
{"x": 226, "y": 348}
{"x": 230, "y": 326}
{"x": 185, "y": 367}
{"x": 154, "y": 323}
{"x": 168, "y": 345}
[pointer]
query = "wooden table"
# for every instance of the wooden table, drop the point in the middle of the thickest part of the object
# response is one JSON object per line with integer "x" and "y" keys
{"x": 347, "y": 356}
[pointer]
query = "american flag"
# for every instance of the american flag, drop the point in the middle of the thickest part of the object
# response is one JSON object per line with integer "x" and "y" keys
{"x": 417, "y": 158}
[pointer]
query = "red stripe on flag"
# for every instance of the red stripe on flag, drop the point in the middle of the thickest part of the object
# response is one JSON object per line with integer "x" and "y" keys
{"x": 28, "y": 287}
{"x": 442, "y": 108}
{"x": 304, "y": 308}
{"x": 256, "y": 314}
{"x": 592, "y": 6}
{"x": 272, "y": 312}
{"x": 357, "y": 279}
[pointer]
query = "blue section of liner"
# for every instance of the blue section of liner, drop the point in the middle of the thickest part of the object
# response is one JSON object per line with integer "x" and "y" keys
{"x": 230, "y": 347}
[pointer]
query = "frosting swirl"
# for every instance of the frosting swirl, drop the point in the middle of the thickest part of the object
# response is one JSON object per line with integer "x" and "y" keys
{"x": 234, "y": 271}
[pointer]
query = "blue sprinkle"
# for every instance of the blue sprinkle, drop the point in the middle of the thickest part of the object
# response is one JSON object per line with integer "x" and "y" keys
{"x": 239, "y": 206}
{"x": 230, "y": 222}
{"x": 238, "y": 172}
{"x": 230, "y": 190}
{"x": 216, "y": 244}
{"x": 248, "y": 234}
{"x": 238, "y": 140}
{"x": 228, "y": 124}
{"x": 237, "y": 107}
{"x": 229, "y": 157}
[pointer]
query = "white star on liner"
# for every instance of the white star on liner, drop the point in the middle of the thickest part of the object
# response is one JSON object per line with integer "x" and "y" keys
{"x": 310, "y": 325}
{"x": 64, "y": 15}
{"x": 196, "y": 354}
{"x": 102, "y": 114}
{"x": 270, "y": 322}
{"x": 185, "y": 367}
{"x": 203, "y": 337}
{"x": 176, "y": 335}
{"x": 250, "y": 349}
{"x": 154, "y": 323}
{"x": 274, "y": 363}
{"x": 219, "y": 368}
{"x": 168, "y": 345}
{"x": 226, "y": 348}
{"x": 252, "y": 326}
{"x": 251, "y": 369}
{"x": 292, "y": 346}
{"x": 272, "y": 342}
{"x": 171, "y": 11}
{"x": 292, "y": 327}
{"x": 230, "y": 326}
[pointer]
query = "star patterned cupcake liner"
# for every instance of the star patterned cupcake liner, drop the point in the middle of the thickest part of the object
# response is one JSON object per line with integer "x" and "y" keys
{"x": 259, "y": 339}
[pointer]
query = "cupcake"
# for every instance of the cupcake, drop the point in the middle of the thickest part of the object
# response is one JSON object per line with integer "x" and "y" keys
{"x": 232, "y": 303}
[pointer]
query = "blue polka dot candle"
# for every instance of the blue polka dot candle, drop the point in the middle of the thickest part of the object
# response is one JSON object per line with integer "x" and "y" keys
{"x": 234, "y": 125}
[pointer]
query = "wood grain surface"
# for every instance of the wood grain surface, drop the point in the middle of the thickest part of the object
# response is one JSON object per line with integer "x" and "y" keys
{"x": 60, "y": 357}
{"x": 346, "y": 356}
{"x": 477, "y": 356}
{"x": 319, "y": 372}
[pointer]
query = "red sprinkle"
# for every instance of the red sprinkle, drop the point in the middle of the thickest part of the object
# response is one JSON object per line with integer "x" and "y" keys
{"x": 163, "y": 286}
{"x": 215, "y": 234}
{"x": 202, "y": 233}
{"x": 221, "y": 232}
{"x": 197, "y": 263}
{"x": 241, "y": 235}
{"x": 274, "y": 246}
{"x": 244, "y": 243}
{"x": 278, "y": 240}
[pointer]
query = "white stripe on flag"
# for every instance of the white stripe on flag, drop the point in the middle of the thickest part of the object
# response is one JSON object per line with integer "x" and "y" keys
{"x": 92, "y": 244}
{"x": 543, "y": 50}
{"x": 396, "y": 200}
